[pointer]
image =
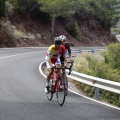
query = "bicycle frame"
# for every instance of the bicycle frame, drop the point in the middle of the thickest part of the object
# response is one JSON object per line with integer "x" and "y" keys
{"x": 54, "y": 77}
{"x": 59, "y": 84}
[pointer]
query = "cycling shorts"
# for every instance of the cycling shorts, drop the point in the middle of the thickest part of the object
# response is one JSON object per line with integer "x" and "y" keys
{"x": 56, "y": 62}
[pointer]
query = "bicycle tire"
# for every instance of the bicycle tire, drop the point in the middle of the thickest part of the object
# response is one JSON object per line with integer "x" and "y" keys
{"x": 60, "y": 92}
{"x": 66, "y": 85}
{"x": 50, "y": 93}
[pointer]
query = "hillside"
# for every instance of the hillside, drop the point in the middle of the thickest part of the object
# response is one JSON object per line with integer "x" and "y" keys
{"x": 23, "y": 30}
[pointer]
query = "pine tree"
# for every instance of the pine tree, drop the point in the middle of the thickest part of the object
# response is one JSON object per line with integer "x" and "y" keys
{"x": 57, "y": 8}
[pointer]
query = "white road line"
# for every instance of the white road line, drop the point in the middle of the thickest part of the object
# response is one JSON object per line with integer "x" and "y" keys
{"x": 23, "y": 47}
{"x": 95, "y": 100}
{"x": 40, "y": 66}
{"x": 19, "y": 55}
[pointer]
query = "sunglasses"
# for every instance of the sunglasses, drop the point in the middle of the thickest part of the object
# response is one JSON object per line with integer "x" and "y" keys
{"x": 58, "y": 43}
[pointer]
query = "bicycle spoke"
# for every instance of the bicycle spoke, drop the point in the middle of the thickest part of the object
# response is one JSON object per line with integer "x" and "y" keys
{"x": 60, "y": 92}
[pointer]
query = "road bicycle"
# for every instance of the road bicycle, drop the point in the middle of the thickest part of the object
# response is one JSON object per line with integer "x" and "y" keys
{"x": 59, "y": 84}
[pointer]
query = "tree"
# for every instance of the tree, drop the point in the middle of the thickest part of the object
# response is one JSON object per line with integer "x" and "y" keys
{"x": 102, "y": 10}
{"x": 24, "y": 6}
{"x": 57, "y": 8}
{"x": 2, "y": 8}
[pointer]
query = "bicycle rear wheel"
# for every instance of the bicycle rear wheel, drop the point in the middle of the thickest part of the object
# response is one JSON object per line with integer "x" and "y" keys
{"x": 60, "y": 93}
{"x": 50, "y": 93}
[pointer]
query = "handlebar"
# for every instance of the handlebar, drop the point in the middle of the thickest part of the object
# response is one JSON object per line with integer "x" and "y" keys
{"x": 70, "y": 68}
{"x": 64, "y": 67}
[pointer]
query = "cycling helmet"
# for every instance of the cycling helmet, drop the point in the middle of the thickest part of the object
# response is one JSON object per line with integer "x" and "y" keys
{"x": 62, "y": 38}
{"x": 57, "y": 40}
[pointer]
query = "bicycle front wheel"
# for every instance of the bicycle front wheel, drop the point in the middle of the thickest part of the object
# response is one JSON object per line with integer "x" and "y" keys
{"x": 50, "y": 93}
{"x": 66, "y": 85}
{"x": 60, "y": 93}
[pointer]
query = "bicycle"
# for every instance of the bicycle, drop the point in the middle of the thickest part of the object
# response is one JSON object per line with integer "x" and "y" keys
{"x": 59, "y": 84}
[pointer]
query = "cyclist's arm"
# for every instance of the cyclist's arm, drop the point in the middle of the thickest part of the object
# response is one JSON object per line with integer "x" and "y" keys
{"x": 49, "y": 61}
{"x": 50, "y": 54}
{"x": 69, "y": 51}
{"x": 64, "y": 53}
{"x": 49, "y": 58}
{"x": 65, "y": 61}
{"x": 70, "y": 56}
{"x": 65, "y": 58}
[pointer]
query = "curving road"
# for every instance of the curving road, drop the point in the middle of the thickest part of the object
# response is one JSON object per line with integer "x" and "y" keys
{"x": 22, "y": 94}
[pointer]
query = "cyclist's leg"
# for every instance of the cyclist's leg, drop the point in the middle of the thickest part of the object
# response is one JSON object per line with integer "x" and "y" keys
{"x": 61, "y": 76}
{"x": 48, "y": 76}
{"x": 58, "y": 65}
{"x": 62, "y": 60}
{"x": 65, "y": 81}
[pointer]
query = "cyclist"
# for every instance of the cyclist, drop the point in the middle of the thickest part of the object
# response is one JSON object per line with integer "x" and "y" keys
{"x": 67, "y": 46}
{"x": 52, "y": 58}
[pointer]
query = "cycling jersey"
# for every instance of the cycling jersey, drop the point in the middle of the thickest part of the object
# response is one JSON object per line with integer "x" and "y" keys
{"x": 55, "y": 54}
{"x": 67, "y": 46}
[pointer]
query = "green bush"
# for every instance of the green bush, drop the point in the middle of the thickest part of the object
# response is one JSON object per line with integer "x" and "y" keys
{"x": 112, "y": 55}
{"x": 110, "y": 97}
{"x": 117, "y": 30}
{"x": 106, "y": 67}
{"x": 73, "y": 29}
{"x": 102, "y": 70}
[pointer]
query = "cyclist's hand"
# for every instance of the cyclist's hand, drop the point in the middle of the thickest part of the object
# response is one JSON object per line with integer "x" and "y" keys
{"x": 71, "y": 60}
{"x": 65, "y": 67}
{"x": 53, "y": 67}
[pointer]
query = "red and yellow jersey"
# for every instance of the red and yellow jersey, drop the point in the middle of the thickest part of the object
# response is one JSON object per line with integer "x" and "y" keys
{"x": 54, "y": 53}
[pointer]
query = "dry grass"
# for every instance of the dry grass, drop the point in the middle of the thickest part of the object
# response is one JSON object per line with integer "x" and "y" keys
{"x": 17, "y": 34}
{"x": 82, "y": 62}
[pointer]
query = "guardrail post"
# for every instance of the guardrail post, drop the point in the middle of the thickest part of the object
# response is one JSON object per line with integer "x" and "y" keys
{"x": 79, "y": 51}
{"x": 96, "y": 93}
{"x": 93, "y": 51}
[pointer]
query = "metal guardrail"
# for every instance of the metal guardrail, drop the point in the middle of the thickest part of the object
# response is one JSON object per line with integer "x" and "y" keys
{"x": 89, "y": 50}
{"x": 96, "y": 82}
{"x": 118, "y": 38}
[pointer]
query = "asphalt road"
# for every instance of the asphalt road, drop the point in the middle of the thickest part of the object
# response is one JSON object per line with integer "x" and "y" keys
{"x": 22, "y": 94}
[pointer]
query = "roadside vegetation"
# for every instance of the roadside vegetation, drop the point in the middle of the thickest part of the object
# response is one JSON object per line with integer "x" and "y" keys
{"x": 105, "y": 65}
{"x": 116, "y": 30}
{"x": 78, "y": 15}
